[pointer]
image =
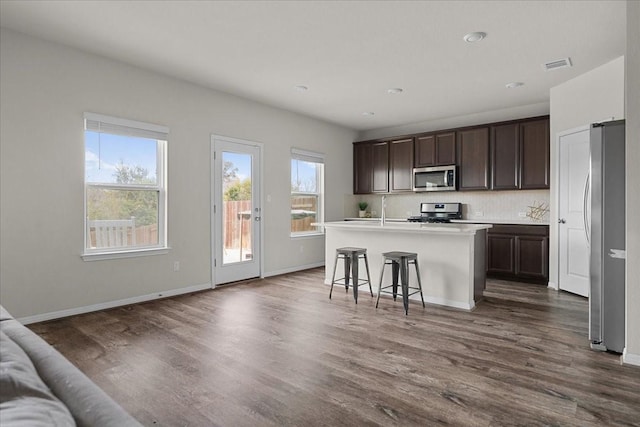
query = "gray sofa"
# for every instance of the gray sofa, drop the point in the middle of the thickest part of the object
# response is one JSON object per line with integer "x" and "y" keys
{"x": 39, "y": 387}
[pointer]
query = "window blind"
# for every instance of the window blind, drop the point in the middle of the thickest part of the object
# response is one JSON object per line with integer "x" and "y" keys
{"x": 307, "y": 156}
{"x": 114, "y": 125}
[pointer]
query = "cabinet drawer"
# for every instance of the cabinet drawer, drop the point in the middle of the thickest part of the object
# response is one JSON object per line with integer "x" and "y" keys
{"x": 520, "y": 230}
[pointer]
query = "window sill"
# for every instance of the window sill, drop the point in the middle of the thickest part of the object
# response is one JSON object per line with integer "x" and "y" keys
{"x": 100, "y": 256}
{"x": 302, "y": 236}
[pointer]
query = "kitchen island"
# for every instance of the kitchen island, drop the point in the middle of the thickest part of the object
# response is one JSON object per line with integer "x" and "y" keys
{"x": 451, "y": 256}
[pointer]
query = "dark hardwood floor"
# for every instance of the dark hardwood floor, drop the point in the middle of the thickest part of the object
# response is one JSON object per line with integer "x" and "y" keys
{"x": 277, "y": 352}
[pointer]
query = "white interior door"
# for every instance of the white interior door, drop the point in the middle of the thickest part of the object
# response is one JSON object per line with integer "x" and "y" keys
{"x": 236, "y": 210}
{"x": 574, "y": 211}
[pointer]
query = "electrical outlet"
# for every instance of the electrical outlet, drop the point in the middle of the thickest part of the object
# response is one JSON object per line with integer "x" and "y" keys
{"x": 479, "y": 213}
{"x": 301, "y": 249}
{"x": 176, "y": 266}
{"x": 522, "y": 214}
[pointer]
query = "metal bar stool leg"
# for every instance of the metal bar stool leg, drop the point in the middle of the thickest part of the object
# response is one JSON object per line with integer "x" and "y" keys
{"x": 366, "y": 264}
{"x": 354, "y": 272}
{"x": 333, "y": 279}
{"x": 415, "y": 263}
{"x": 395, "y": 267}
{"x": 384, "y": 263}
{"x": 347, "y": 272}
{"x": 404, "y": 277}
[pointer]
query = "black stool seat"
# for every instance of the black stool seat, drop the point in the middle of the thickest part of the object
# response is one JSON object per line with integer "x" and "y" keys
{"x": 399, "y": 262}
{"x": 351, "y": 257}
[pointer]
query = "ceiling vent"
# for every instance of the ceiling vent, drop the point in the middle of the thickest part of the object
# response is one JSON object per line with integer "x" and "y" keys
{"x": 560, "y": 63}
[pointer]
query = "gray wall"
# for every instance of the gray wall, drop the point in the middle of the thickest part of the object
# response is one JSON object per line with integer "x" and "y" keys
{"x": 45, "y": 90}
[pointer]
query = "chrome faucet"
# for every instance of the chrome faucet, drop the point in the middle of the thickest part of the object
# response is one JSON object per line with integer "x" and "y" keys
{"x": 384, "y": 208}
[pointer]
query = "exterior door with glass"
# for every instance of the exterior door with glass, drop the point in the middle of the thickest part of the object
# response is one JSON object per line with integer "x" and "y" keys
{"x": 236, "y": 210}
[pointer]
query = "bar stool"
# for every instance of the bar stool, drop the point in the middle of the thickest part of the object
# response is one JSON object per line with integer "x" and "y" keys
{"x": 351, "y": 257}
{"x": 399, "y": 262}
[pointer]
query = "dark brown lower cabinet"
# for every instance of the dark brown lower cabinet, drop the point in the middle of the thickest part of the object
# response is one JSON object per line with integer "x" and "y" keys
{"x": 518, "y": 252}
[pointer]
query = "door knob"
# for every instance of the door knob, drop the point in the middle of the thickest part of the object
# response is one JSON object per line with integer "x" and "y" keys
{"x": 257, "y": 218}
{"x": 562, "y": 221}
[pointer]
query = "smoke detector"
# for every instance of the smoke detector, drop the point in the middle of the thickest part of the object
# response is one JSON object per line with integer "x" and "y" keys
{"x": 559, "y": 63}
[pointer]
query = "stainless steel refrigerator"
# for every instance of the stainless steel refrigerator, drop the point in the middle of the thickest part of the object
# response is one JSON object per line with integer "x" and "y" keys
{"x": 607, "y": 237}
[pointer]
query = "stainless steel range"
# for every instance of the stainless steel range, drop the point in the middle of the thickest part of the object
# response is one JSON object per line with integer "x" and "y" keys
{"x": 438, "y": 212}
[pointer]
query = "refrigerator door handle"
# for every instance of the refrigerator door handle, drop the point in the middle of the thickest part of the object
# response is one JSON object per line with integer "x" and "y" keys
{"x": 585, "y": 206}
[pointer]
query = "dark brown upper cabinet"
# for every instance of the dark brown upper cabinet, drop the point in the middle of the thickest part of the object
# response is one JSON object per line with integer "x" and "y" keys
{"x": 435, "y": 150}
{"x": 505, "y": 157}
{"x": 498, "y": 156}
{"x": 362, "y": 168}
{"x": 534, "y": 154}
{"x": 380, "y": 183}
{"x": 520, "y": 155}
{"x": 401, "y": 165}
{"x": 473, "y": 159}
{"x": 370, "y": 167}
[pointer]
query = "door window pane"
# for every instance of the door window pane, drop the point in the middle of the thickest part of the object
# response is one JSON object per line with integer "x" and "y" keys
{"x": 236, "y": 208}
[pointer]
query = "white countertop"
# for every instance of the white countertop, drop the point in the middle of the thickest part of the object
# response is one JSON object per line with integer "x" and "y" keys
{"x": 501, "y": 221}
{"x": 371, "y": 224}
{"x": 465, "y": 221}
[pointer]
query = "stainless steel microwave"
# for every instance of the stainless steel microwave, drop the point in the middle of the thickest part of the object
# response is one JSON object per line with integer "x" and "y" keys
{"x": 438, "y": 178}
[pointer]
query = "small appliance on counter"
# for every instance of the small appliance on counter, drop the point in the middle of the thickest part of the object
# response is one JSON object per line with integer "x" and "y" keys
{"x": 438, "y": 212}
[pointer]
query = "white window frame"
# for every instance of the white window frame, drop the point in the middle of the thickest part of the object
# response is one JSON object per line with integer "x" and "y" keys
{"x": 125, "y": 127}
{"x": 313, "y": 157}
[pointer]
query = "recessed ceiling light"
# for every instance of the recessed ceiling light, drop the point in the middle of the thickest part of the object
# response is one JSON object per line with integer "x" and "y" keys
{"x": 394, "y": 90}
{"x": 368, "y": 113}
{"x": 514, "y": 85}
{"x": 301, "y": 88}
{"x": 474, "y": 37}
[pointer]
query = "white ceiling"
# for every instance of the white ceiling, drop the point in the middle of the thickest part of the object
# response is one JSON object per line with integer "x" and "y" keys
{"x": 347, "y": 53}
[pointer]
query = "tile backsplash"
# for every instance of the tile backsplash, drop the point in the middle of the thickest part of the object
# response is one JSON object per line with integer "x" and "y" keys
{"x": 478, "y": 205}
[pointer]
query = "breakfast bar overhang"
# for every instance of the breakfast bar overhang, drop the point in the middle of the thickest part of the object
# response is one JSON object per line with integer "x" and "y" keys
{"x": 451, "y": 256}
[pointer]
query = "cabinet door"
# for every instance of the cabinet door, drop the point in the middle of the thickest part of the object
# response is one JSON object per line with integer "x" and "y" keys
{"x": 362, "y": 168}
{"x": 534, "y": 154}
{"x": 532, "y": 257}
{"x": 446, "y": 149}
{"x": 401, "y": 165}
{"x": 425, "y": 151}
{"x": 380, "y": 182}
{"x": 473, "y": 159}
{"x": 505, "y": 157}
{"x": 435, "y": 150}
{"x": 501, "y": 254}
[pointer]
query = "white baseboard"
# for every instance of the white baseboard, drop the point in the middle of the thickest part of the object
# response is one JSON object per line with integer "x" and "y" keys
{"x": 552, "y": 285}
{"x": 111, "y": 304}
{"x": 448, "y": 303}
{"x": 293, "y": 269}
{"x": 630, "y": 359}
